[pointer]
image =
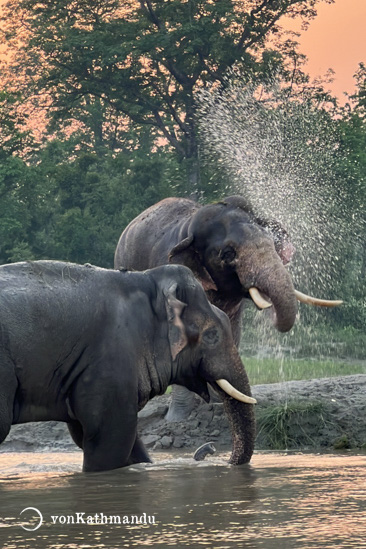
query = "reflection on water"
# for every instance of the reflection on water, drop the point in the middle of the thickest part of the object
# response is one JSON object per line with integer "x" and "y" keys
{"x": 279, "y": 501}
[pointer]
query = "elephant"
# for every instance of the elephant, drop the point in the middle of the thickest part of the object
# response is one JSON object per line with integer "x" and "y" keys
{"x": 233, "y": 253}
{"x": 90, "y": 346}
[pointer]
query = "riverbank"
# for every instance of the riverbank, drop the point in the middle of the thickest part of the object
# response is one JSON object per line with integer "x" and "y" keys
{"x": 327, "y": 413}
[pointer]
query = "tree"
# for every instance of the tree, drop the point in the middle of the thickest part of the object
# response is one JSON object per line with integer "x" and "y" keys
{"x": 96, "y": 61}
{"x": 75, "y": 210}
{"x": 14, "y": 137}
{"x": 359, "y": 97}
{"x": 94, "y": 200}
{"x": 352, "y": 171}
{"x": 14, "y": 209}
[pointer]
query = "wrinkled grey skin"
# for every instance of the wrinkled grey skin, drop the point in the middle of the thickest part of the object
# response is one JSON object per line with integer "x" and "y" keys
{"x": 90, "y": 346}
{"x": 228, "y": 249}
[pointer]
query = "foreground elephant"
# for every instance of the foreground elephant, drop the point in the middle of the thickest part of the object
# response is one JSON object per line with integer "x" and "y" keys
{"x": 234, "y": 254}
{"x": 90, "y": 346}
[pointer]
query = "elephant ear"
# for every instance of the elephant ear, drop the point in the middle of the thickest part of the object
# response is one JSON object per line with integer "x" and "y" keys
{"x": 185, "y": 254}
{"x": 281, "y": 238}
{"x": 176, "y": 330}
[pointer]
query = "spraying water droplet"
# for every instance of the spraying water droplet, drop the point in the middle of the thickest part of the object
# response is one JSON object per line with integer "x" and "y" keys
{"x": 282, "y": 155}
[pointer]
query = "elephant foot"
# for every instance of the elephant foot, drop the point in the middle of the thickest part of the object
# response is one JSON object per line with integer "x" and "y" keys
{"x": 184, "y": 401}
{"x": 204, "y": 450}
{"x": 139, "y": 453}
{"x": 181, "y": 405}
{"x": 214, "y": 397}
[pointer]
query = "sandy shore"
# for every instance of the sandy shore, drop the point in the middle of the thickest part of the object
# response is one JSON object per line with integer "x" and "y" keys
{"x": 325, "y": 413}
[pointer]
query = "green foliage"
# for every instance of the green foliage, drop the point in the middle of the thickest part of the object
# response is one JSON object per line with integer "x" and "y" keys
{"x": 14, "y": 137}
{"x": 342, "y": 443}
{"x": 359, "y": 97}
{"x": 278, "y": 370}
{"x": 324, "y": 336}
{"x": 283, "y": 425}
{"x": 17, "y": 189}
{"x": 351, "y": 171}
{"x": 76, "y": 210}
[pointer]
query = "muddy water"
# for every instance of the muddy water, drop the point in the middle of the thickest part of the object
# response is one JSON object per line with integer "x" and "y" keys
{"x": 279, "y": 501}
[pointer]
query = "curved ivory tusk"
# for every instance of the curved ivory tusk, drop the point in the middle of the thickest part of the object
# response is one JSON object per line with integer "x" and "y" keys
{"x": 309, "y": 300}
{"x": 258, "y": 299}
{"x": 231, "y": 391}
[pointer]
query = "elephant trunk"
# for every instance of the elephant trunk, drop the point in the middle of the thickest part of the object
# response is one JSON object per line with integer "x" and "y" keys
{"x": 272, "y": 279}
{"x": 240, "y": 415}
{"x": 278, "y": 286}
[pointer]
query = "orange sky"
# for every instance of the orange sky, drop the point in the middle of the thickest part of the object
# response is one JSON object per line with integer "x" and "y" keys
{"x": 336, "y": 39}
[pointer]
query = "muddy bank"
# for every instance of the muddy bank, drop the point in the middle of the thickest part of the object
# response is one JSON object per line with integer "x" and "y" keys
{"x": 317, "y": 414}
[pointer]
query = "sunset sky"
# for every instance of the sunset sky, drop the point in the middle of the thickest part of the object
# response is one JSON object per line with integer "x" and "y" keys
{"x": 336, "y": 39}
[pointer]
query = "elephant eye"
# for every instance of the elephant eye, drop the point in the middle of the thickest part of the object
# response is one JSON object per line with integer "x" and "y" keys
{"x": 228, "y": 254}
{"x": 211, "y": 336}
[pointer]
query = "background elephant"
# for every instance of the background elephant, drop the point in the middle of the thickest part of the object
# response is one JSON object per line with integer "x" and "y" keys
{"x": 226, "y": 246}
{"x": 233, "y": 253}
{"x": 90, "y": 346}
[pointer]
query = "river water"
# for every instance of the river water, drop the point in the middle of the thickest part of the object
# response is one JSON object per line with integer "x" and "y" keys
{"x": 281, "y": 500}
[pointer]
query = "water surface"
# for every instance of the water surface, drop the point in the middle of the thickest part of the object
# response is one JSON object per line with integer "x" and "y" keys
{"x": 279, "y": 501}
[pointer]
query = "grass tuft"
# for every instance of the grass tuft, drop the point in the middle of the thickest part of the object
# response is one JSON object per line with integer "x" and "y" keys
{"x": 283, "y": 425}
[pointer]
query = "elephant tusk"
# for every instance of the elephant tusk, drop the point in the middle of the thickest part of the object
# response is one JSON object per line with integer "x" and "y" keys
{"x": 231, "y": 391}
{"x": 309, "y": 300}
{"x": 258, "y": 299}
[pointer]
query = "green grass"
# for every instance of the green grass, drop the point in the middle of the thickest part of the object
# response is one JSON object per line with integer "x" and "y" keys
{"x": 272, "y": 370}
{"x": 283, "y": 425}
{"x": 323, "y": 342}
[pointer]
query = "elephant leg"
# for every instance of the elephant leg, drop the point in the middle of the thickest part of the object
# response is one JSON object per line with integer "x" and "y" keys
{"x": 214, "y": 397}
{"x": 181, "y": 405}
{"x": 107, "y": 412}
{"x": 103, "y": 451}
{"x": 8, "y": 387}
{"x": 183, "y": 401}
{"x": 139, "y": 453}
{"x": 76, "y": 432}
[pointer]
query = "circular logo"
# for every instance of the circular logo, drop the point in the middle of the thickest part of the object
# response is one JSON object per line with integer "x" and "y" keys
{"x": 38, "y": 512}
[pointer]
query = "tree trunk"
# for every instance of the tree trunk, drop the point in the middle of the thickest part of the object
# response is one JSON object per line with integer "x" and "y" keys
{"x": 97, "y": 113}
{"x": 192, "y": 154}
{"x": 193, "y": 176}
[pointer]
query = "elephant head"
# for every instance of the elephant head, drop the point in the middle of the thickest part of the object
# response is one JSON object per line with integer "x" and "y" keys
{"x": 273, "y": 227}
{"x": 204, "y": 354}
{"x": 230, "y": 252}
{"x": 234, "y": 253}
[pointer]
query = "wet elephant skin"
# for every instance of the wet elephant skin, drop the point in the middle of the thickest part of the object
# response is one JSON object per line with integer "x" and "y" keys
{"x": 90, "y": 346}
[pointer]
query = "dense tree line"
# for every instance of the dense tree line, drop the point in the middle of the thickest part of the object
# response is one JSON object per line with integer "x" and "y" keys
{"x": 75, "y": 209}
{"x": 99, "y": 119}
